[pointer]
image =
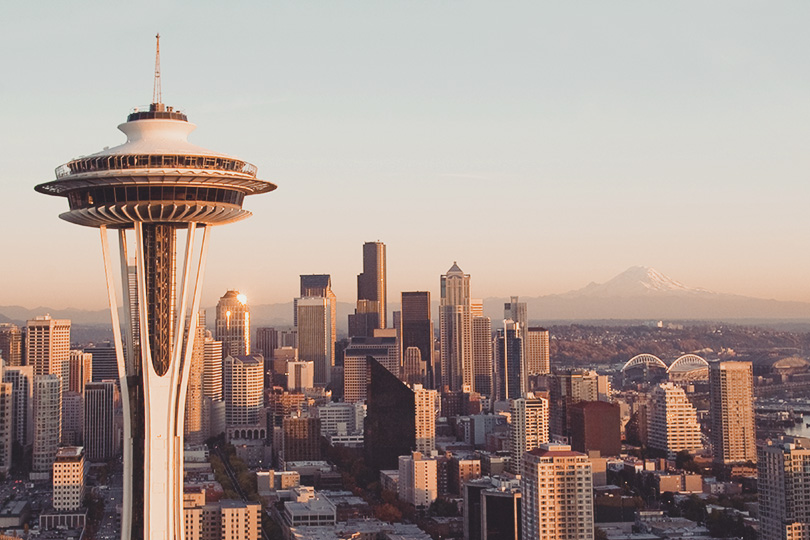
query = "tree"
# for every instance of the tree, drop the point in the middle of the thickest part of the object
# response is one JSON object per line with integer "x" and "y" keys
{"x": 388, "y": 512}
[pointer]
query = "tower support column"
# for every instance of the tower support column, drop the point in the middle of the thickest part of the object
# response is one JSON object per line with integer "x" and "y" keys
{"x": 154, "y": 382}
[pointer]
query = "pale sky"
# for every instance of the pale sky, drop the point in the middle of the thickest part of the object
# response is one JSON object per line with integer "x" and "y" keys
{"x": 542, "y": 146}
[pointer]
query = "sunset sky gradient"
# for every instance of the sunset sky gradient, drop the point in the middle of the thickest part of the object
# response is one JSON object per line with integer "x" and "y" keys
{"x": 542, "y": 146}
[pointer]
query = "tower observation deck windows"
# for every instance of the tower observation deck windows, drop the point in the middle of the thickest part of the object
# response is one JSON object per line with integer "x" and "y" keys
{"x": 99, "y": 196}
{"x": 155, "y": 161}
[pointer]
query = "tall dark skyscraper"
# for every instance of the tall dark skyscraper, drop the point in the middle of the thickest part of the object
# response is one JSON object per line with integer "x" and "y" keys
{"x": 390, "y": 425}
{"x": 104, "y": 362}
{"x": 99, "y": 420}
{"x": 370, "y": 312}
{"x": 417, "y": 330}
{"x": 509, "y": 362}
{"x": 372, "y": 283}
{"x": 266, "y": 341}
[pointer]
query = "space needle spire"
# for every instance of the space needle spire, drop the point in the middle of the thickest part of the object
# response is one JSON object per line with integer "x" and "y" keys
{"x": 157, "y": 97}
{"x": 158, "y": 192}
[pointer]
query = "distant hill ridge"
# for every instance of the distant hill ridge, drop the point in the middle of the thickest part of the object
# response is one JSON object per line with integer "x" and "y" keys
{"x": 637, "y": 293}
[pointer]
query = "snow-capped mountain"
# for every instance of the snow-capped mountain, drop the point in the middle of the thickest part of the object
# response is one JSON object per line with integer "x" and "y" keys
{"x": 641, "y": 292}
{"x": 637, "y": 281}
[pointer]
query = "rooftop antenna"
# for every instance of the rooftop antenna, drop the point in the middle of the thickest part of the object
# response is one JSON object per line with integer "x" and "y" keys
{"x": 156, "y": 93}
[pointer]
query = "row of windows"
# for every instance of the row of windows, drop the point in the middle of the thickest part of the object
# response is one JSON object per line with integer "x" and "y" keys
{"x": 143, "y": 161}
{"x": 128, "y": 194}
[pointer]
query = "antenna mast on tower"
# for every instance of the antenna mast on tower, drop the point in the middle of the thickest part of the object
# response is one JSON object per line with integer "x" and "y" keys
{"x": 156, "y": 93}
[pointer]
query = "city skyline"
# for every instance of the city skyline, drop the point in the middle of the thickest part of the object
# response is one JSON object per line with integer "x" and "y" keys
{"x": 612, "y": 137}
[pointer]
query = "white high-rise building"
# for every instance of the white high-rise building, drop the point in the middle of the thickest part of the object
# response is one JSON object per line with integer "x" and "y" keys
{"x": 47, "y": 421}
{"x": 425, "y": 403}
{"x": 194, "y": 424}
{"x": 731, "y": 392}
{"x": 212, "y": 369}
{"x": 300, "y": 375}
{"x": 783, "y": 487}
{"x": 557, "y": 486}
{"x": 68, "y": 479}
{"x": 243, "y": 386}
{"x": 47, "y": 347}
{"x": 529, "y": 427}
{"x": 418, "y": 480}
{"x": 672, "y": 420}
{"x": 455, "y": 327}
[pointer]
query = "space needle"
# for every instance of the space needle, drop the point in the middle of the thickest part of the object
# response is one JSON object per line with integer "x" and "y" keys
{"x": 149, "y": 189}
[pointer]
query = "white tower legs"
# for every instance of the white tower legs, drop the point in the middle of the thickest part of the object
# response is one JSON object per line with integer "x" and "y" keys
{"x": 153, "y": 396}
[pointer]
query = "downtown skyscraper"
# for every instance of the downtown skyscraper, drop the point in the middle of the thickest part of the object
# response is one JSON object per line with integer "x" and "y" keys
{"x": 315, "y": 313}
{"x": 416, "y": 337}
{"x": 455, "y": 327}
{"x": 233, "y": 324}
{"x": 372, "y": 292}
{"x": 47, "y": 347}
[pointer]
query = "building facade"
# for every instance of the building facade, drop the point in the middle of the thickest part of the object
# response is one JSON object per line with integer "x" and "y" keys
{"x": 99, "y": 420}
{"x": 68, "y": 479}
{"x": 418, "y": 479}
{"x": 529, "y": 427}
{"x": 80, "y": 370}
{"x": 6, "y": 425}
{"x": 455, "y": 327}
{"x": 557, "y": 486}
{"x": 47, "y": 421}
{"x": 47, "y": 347}
{"x": 538, "y": 360}
{"x": 672, "y": 420}
{"x": 596, "y": 425}
{"x": 233, "y": 324}
{"x": 243, "y": 389}
{"x": 731, "y": 392}
{"x": 783, "y": 487}
{"x": 510, "y": 374}
{"x": 483, "y": 368}
{"x": 425, "y": 413}
{"x": 417, "y": 332}
{"x": 566, "y": 388}
{"x": 316, "y": 340}
{"x": 11, "y": 344}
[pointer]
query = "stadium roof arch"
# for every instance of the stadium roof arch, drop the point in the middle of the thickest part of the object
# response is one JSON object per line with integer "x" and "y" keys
{"x": 644, "y": 359}
{"x": 688, "y": 362}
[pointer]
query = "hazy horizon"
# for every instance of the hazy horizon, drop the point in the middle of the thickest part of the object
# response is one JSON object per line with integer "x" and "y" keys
{"x": 543, "y": 147}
